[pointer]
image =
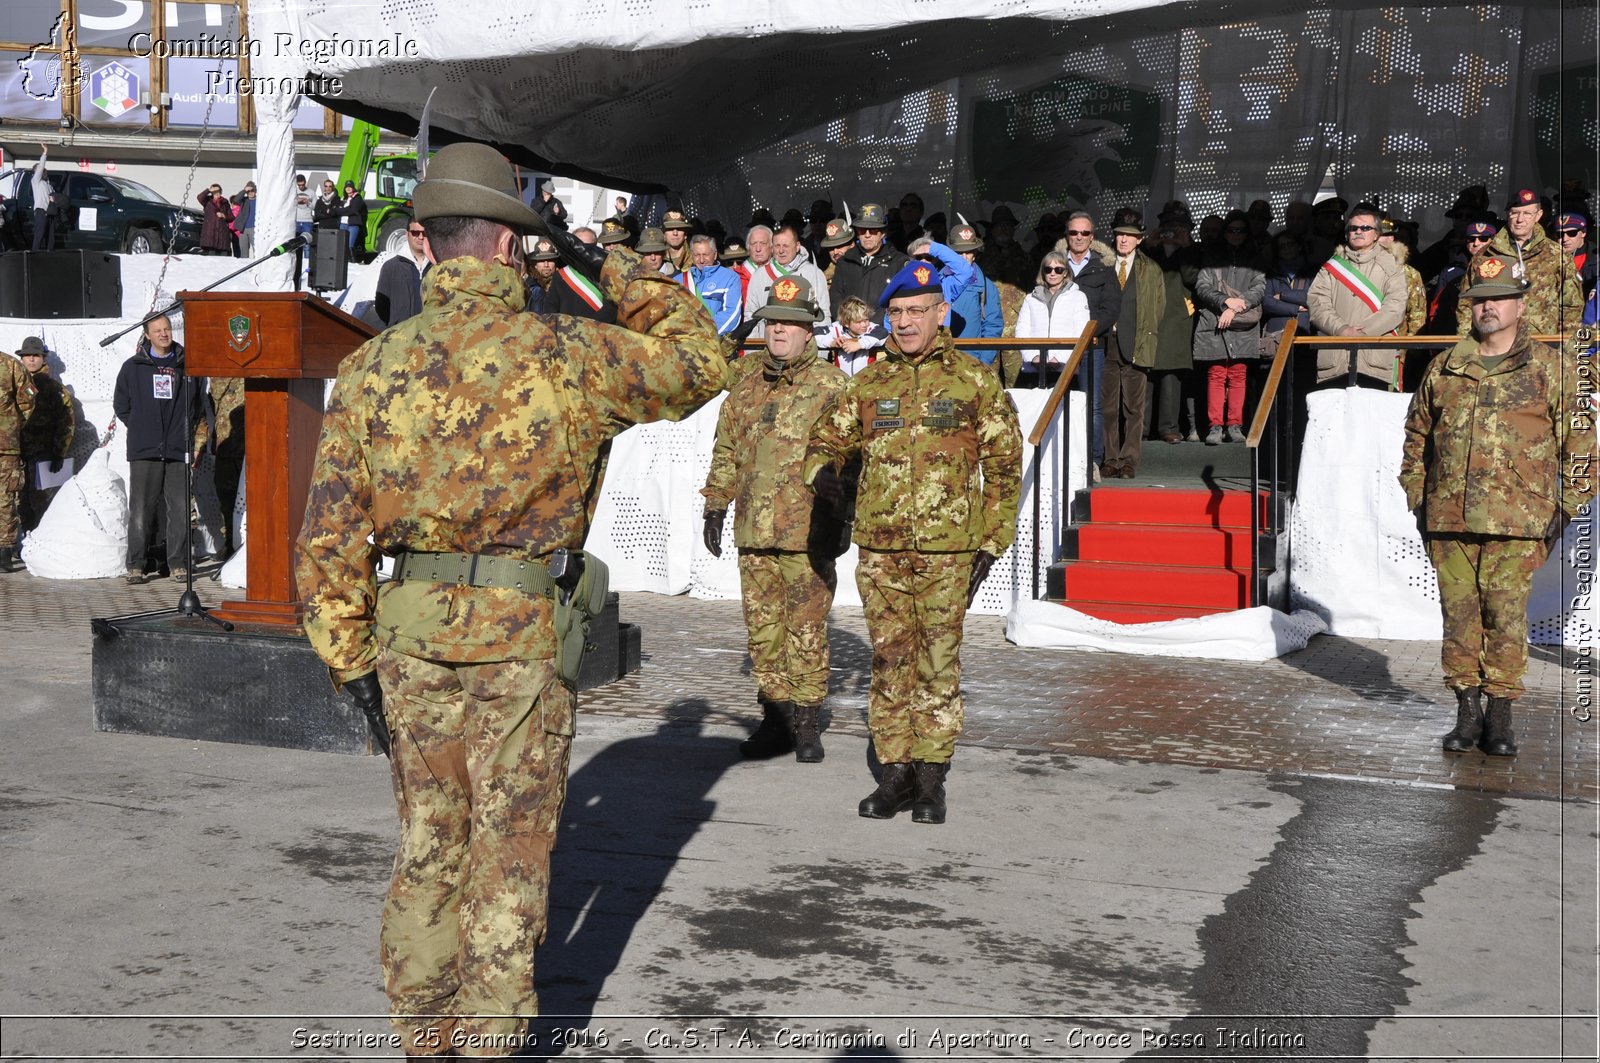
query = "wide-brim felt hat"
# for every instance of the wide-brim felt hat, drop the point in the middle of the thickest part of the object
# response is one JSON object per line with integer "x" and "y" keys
{"x": 837, "y": 233}
{"x": 1495, "y": 276}
{"x": 791, "y": 299}
{"x": 474, "y": 181}
{"x": 675, "y": 220}
{"x": 734, "y": 252}
{"x": 31, "y": 345}
{"x": 965, "y": 238}
{"x": 545, "y": 253}
{"x": 612, "y": 231}
{"x": 651, "y": 240}
{"x": 871, "y": 216}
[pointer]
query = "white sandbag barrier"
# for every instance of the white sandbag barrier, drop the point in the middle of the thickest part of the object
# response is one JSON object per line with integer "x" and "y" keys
{"x": 84, "y": 533}
{"x": 1258, "y": 634}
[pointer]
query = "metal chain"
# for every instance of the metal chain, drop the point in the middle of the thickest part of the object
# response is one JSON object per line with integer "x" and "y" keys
{"x": 194, "y": 165}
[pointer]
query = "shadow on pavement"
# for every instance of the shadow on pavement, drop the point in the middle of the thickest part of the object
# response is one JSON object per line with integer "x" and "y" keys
{"x": 1359, "y": 669}
{"x": 630, "y": 811}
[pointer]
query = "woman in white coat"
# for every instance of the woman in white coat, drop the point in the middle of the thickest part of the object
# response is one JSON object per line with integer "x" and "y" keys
{"x": 1056, "y": 309}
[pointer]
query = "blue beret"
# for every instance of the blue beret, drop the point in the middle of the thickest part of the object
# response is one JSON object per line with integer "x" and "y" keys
{"x": 918, "y": 278}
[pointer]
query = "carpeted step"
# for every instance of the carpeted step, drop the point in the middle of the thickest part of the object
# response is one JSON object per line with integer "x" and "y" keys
{"x": 1216, "y": 589}
{"x": 1173, "y": 506}
{"x": 1187, "y": 547}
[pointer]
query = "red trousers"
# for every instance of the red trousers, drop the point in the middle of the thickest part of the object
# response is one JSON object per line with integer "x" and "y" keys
{"x": 1225, "y": 379}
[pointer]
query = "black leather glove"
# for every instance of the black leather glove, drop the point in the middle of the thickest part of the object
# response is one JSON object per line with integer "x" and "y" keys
{"x": 735, "y": 339}
{"x": 713, "y": 530}
{"x": 55, "y": 464}
{"x": 368, "y": 696}
{"x": 587, "y": 259}
{"x": 982, "y": 562}
{"x": 1421, "y": 513}
{"x": 838, "y": 488}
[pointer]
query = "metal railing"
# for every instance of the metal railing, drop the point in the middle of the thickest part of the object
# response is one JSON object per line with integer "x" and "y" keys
{"x": 1270, "y": 423}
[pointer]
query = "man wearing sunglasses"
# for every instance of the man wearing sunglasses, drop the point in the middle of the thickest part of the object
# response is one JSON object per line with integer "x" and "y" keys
{"x": 866, "y": 269}
{"x": 399, "y": 292}
{"x": 1447, "y": 288}
{"x": 1360, "y": 291}
{"x": 1555, "y": 295}
{"x": 941, "y": 473}
{"x": 1573, "y": 231}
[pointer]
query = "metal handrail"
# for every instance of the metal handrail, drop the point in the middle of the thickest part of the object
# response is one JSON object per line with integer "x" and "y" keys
{"x": 1267, "y": 409}
{"x": 1080, "y": 347}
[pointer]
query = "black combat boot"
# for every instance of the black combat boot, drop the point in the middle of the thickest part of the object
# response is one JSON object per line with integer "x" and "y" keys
{"x": 928, "y": 807}
{"x": 7, "y": 564}
{"x": 807, "y": 733}
{"x": 892, "y": 795}
{"x": 773, "y": 737}
{"x": 1469, "y": 722}
{"x": 1498, "y": 741}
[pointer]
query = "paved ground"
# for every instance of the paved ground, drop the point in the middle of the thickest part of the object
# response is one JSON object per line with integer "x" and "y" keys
{"x": 1144, "y": 857}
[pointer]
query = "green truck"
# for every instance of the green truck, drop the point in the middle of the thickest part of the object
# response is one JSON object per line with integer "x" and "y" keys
{"x": 389, "y": 198}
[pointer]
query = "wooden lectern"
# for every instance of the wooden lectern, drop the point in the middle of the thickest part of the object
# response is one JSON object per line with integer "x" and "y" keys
{"x": 284, "y": 345}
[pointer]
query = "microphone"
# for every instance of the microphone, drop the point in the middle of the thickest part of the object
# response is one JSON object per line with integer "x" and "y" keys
{"x": 294, "y": 243}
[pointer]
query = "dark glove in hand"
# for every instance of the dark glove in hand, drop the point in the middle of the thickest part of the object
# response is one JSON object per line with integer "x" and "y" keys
{"x": 713, "y": 531}
{"x": 55, "y": 464}
{"x": 736, "y": 338}
{"x": 837, "y": 489}
{"x": 368, "y": 696}
{"x": 1421, "y": 513}
{"x": 982, "y": 562}
{"x": 587, "y": 259}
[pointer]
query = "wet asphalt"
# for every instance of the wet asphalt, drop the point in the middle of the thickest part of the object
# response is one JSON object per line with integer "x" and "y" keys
{"x": 167, "y": 898}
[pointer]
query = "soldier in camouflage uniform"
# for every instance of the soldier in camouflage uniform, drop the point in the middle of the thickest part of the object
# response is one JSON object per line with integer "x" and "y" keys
{"x": 1498, "y": 452}
{"x": 941, "y": 472}
{"x": 1416, "y": 291}
{"x": 47, "y": 437}
{"x": 16, "y": 404}
{"x": 1554, "y": 303}
{"x": 465, "y": 441}
{"x": 787, "y": 536}
{"x": 227, "y": 402}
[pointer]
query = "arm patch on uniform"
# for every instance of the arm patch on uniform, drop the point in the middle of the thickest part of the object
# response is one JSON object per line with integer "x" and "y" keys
{"x": 941, "y": 414}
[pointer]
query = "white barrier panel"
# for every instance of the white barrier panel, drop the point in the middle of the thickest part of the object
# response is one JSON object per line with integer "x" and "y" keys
{"x": 1258, "y": 634}
{"x": 1358, "y": 560}
{"x": 649, "y": 518}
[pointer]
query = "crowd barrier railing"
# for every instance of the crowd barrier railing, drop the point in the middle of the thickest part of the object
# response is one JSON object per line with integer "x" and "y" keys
{"x": 1278, "y": 429}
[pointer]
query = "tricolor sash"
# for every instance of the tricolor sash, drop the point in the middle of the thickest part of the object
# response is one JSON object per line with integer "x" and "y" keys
{"x": 686, "y": 278}
{"x": 1346, "y": 273}
{"x": 583, "y": 286}
{"x": 781, "y": 272}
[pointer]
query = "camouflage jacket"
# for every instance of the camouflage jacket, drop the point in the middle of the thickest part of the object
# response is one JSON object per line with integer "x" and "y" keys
{"x": 1500, "y": 451}
{"x": 227, "y": 404}
{"x": 1554, "y": 303}
{"x": 762, "y": 432}
{"x": 48, "y": 433}
{"x": 16, "y": 404}
{"x": 940, "y": 447}
{"x": 474, "y": 428}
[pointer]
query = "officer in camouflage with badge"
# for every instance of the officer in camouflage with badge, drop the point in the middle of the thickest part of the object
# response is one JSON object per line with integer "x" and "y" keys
{"x": 466, "y": 441}
{"x": 1498, "y": 453}
{"x": 941, "y": 472}
{"x": 1553, "y": 302}
{"x": 787, "y": 536}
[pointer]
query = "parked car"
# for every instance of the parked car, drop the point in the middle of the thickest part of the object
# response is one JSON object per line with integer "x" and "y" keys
{"x": 103, "y": 213}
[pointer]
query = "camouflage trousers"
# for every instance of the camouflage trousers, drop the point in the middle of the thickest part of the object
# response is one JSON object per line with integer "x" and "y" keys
{"x": 915, "y": 604}
{"x": 787, "y": 596}
{"x": 11, "y": 483}
{"x": 1484, "y": 582}
{"x": 480, "y": 774}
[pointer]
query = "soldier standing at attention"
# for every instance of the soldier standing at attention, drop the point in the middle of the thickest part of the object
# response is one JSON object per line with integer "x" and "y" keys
{"x": 1498, "y": 454}
{"x": 16, "y": 404}
{"x": 787, "y": 536}
{"x": 941, "y": 472}
{"x": 465, "y": 441}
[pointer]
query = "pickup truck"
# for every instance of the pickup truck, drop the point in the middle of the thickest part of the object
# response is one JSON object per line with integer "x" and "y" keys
{"x": 103, "y": 213}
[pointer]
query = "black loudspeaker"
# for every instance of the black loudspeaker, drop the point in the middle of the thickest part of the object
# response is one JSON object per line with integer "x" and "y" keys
{"x": 77, "y": 284}
{"x": 330, "y": 260}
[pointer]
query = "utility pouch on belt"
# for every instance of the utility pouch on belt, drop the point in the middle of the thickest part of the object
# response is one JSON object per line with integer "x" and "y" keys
{"x": 582, "y": 581}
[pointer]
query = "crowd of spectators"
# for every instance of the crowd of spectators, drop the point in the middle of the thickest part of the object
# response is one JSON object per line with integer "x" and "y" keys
{"x": 1211, "y": 310}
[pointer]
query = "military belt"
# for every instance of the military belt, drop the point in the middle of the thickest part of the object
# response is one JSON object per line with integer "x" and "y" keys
{"x": 476, "y": 570}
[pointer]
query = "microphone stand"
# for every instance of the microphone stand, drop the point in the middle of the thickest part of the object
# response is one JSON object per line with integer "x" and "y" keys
{"x": 294, "y": 243}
